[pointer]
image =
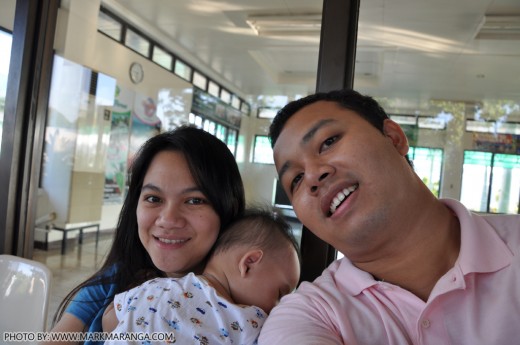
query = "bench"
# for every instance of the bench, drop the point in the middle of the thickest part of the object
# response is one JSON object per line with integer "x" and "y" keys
{"x": 66, "y": 229}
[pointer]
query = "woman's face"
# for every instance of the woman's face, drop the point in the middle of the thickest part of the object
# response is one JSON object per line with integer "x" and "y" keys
{"x": 177, "y": 224}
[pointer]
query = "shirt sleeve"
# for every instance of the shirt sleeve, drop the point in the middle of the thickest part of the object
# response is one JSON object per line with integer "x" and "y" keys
{"x": 299, "y": 319}
{"x": 89, "y": 303}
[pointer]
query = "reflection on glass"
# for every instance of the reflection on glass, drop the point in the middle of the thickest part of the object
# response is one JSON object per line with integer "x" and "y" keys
{"x": 5, "y": 56}
{"x": 76, "y": 141}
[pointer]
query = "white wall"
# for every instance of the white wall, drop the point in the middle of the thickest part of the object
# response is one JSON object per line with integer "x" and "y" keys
{"x": 7, "y": 9}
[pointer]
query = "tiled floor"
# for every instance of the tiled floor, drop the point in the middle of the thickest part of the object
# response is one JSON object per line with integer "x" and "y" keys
{"x": 79, "y": 262}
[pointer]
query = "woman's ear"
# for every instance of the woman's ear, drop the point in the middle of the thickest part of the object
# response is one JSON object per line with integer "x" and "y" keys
{"x": 396, "y": 134}
{"x": 249, "y": 261}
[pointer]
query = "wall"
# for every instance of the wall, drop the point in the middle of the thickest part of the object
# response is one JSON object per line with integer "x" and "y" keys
{"x": 77, "y": 40}
{"x": 7, "y": 14}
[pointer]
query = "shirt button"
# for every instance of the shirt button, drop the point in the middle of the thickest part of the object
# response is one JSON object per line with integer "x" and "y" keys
{"x": 453, "y": 279}
{"x": 425, "y": 323}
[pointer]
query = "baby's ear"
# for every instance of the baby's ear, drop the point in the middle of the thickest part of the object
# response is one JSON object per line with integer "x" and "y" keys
{"x": 249, "y": 261}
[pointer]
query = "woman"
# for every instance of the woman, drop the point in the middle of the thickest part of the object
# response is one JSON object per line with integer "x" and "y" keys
{"x": 185, "y": 188}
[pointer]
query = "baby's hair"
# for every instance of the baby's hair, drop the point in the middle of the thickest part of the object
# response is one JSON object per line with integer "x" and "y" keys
{"x": 261, "y": 227}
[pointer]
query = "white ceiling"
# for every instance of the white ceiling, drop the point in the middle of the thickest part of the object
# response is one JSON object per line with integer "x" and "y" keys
{"x": 414, "y": 50}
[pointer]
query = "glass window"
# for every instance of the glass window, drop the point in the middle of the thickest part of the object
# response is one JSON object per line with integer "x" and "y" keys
{"x": 404, "y": 119}
{"x": 225, "y": 96}
{"x": 182, "y": 70}
{"x": 199, "y": 80}
{"x": 231, "y": 140}
{"x": 505, "y": 186}
{"x": 221, "y": 132}
{"x": 267, "y": 113}
{"x": 5, "y": 47}
{"x": 262, "y": 151}
{"x": 195, "y": 120}
{"x": 431, "y": 123}
{"x": 491, "y": 182}
{"x": 493, "y": 127}
{"x": 213, "y": 88}
{"x": 162, "y": 57}
{"x": 210, "y": 126}
{"x": 245, "y": 108}
{"x": 508, "y": 128}
{"x": 428, "y": 165}
{"x": 476, "y": 174}
{"x": 137, "y": 42}
{"x": 479, "y": 126}
{"x": 110, "y": 26}
{"x": 235, "y": 102}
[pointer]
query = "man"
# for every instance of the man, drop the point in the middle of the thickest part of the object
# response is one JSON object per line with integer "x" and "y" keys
{"x": 417, "y": 270}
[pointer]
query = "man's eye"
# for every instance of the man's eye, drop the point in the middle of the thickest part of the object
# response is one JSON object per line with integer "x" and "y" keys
{"x": 328, "y": 142}
{"x": 295, "y": 181}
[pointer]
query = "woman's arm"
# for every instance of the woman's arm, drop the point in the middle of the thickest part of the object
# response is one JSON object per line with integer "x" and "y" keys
{"x": 67, "y": 323}
{"x": 110, "y": 320}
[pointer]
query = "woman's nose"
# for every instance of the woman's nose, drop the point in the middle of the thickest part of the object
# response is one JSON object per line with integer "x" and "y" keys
{"x": 171, "y": 216}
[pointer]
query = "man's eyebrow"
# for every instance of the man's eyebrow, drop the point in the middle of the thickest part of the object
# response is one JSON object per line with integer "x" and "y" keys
{"x": 305, "y": 139}
{"x": 312, "y": 131}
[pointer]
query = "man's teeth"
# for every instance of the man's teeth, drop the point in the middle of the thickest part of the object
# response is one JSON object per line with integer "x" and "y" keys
{"x": 340, "y": 197}
{"x": 165, "y": 240}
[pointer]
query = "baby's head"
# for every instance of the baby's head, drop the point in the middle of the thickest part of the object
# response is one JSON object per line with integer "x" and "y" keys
{"x": 266, "y": 256}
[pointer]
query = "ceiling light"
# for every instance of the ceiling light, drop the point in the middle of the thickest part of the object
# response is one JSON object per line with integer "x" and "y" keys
{"x": 499, "y": 28}
{"x": 286, "y": 25}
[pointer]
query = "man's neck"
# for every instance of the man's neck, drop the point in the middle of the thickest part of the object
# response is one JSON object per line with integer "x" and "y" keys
{"x": 424, "y": 257}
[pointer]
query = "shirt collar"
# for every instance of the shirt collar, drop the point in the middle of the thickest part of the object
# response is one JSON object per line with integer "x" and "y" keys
{"x": 481, "y": 251}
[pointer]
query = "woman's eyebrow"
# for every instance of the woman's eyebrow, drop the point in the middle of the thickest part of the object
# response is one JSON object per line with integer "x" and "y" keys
{"x": 150, "y": 186}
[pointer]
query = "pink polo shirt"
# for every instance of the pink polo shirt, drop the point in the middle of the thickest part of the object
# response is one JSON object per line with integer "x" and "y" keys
{"x": 476, "y": 302}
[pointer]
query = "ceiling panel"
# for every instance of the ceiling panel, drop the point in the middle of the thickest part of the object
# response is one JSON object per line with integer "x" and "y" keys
{"x": 421, "y": 49}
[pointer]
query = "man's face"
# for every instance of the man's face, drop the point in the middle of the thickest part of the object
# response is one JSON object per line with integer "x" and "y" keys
{"x": 342, "y": 175}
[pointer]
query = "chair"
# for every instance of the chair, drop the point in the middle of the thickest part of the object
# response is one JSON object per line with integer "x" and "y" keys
{"x": 24, "y": 294}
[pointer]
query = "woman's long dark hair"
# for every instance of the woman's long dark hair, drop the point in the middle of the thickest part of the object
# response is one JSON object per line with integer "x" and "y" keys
{"x": 215, "y": 172}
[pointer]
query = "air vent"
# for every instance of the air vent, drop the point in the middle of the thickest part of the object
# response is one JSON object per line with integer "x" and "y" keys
{"x": 305, "y": 24}
{"x": 498, "y": 27}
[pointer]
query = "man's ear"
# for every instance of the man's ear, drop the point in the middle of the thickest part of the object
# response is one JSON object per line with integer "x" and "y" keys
{"x": 396, "y": 134}
{"x": 249, "y": 261}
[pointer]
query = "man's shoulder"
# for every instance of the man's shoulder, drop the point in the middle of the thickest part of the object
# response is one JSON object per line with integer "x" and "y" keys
{"x": 327, "y": 282}
{"x": 507, "y": 226}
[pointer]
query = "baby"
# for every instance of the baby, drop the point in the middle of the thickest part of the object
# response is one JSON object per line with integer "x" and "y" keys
{"x": 253, "y": 264}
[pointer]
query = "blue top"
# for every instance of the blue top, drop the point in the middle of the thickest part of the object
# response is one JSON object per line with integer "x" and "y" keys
{"x": 90, "y": 303}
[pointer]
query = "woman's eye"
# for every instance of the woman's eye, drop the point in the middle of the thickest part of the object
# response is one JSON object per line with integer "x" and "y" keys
{"x": 152, "y": 199}
{"x": 196, "y": 201}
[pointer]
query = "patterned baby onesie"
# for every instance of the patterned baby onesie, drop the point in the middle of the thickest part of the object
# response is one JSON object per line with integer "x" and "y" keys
{"x": 190, "y": 309}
